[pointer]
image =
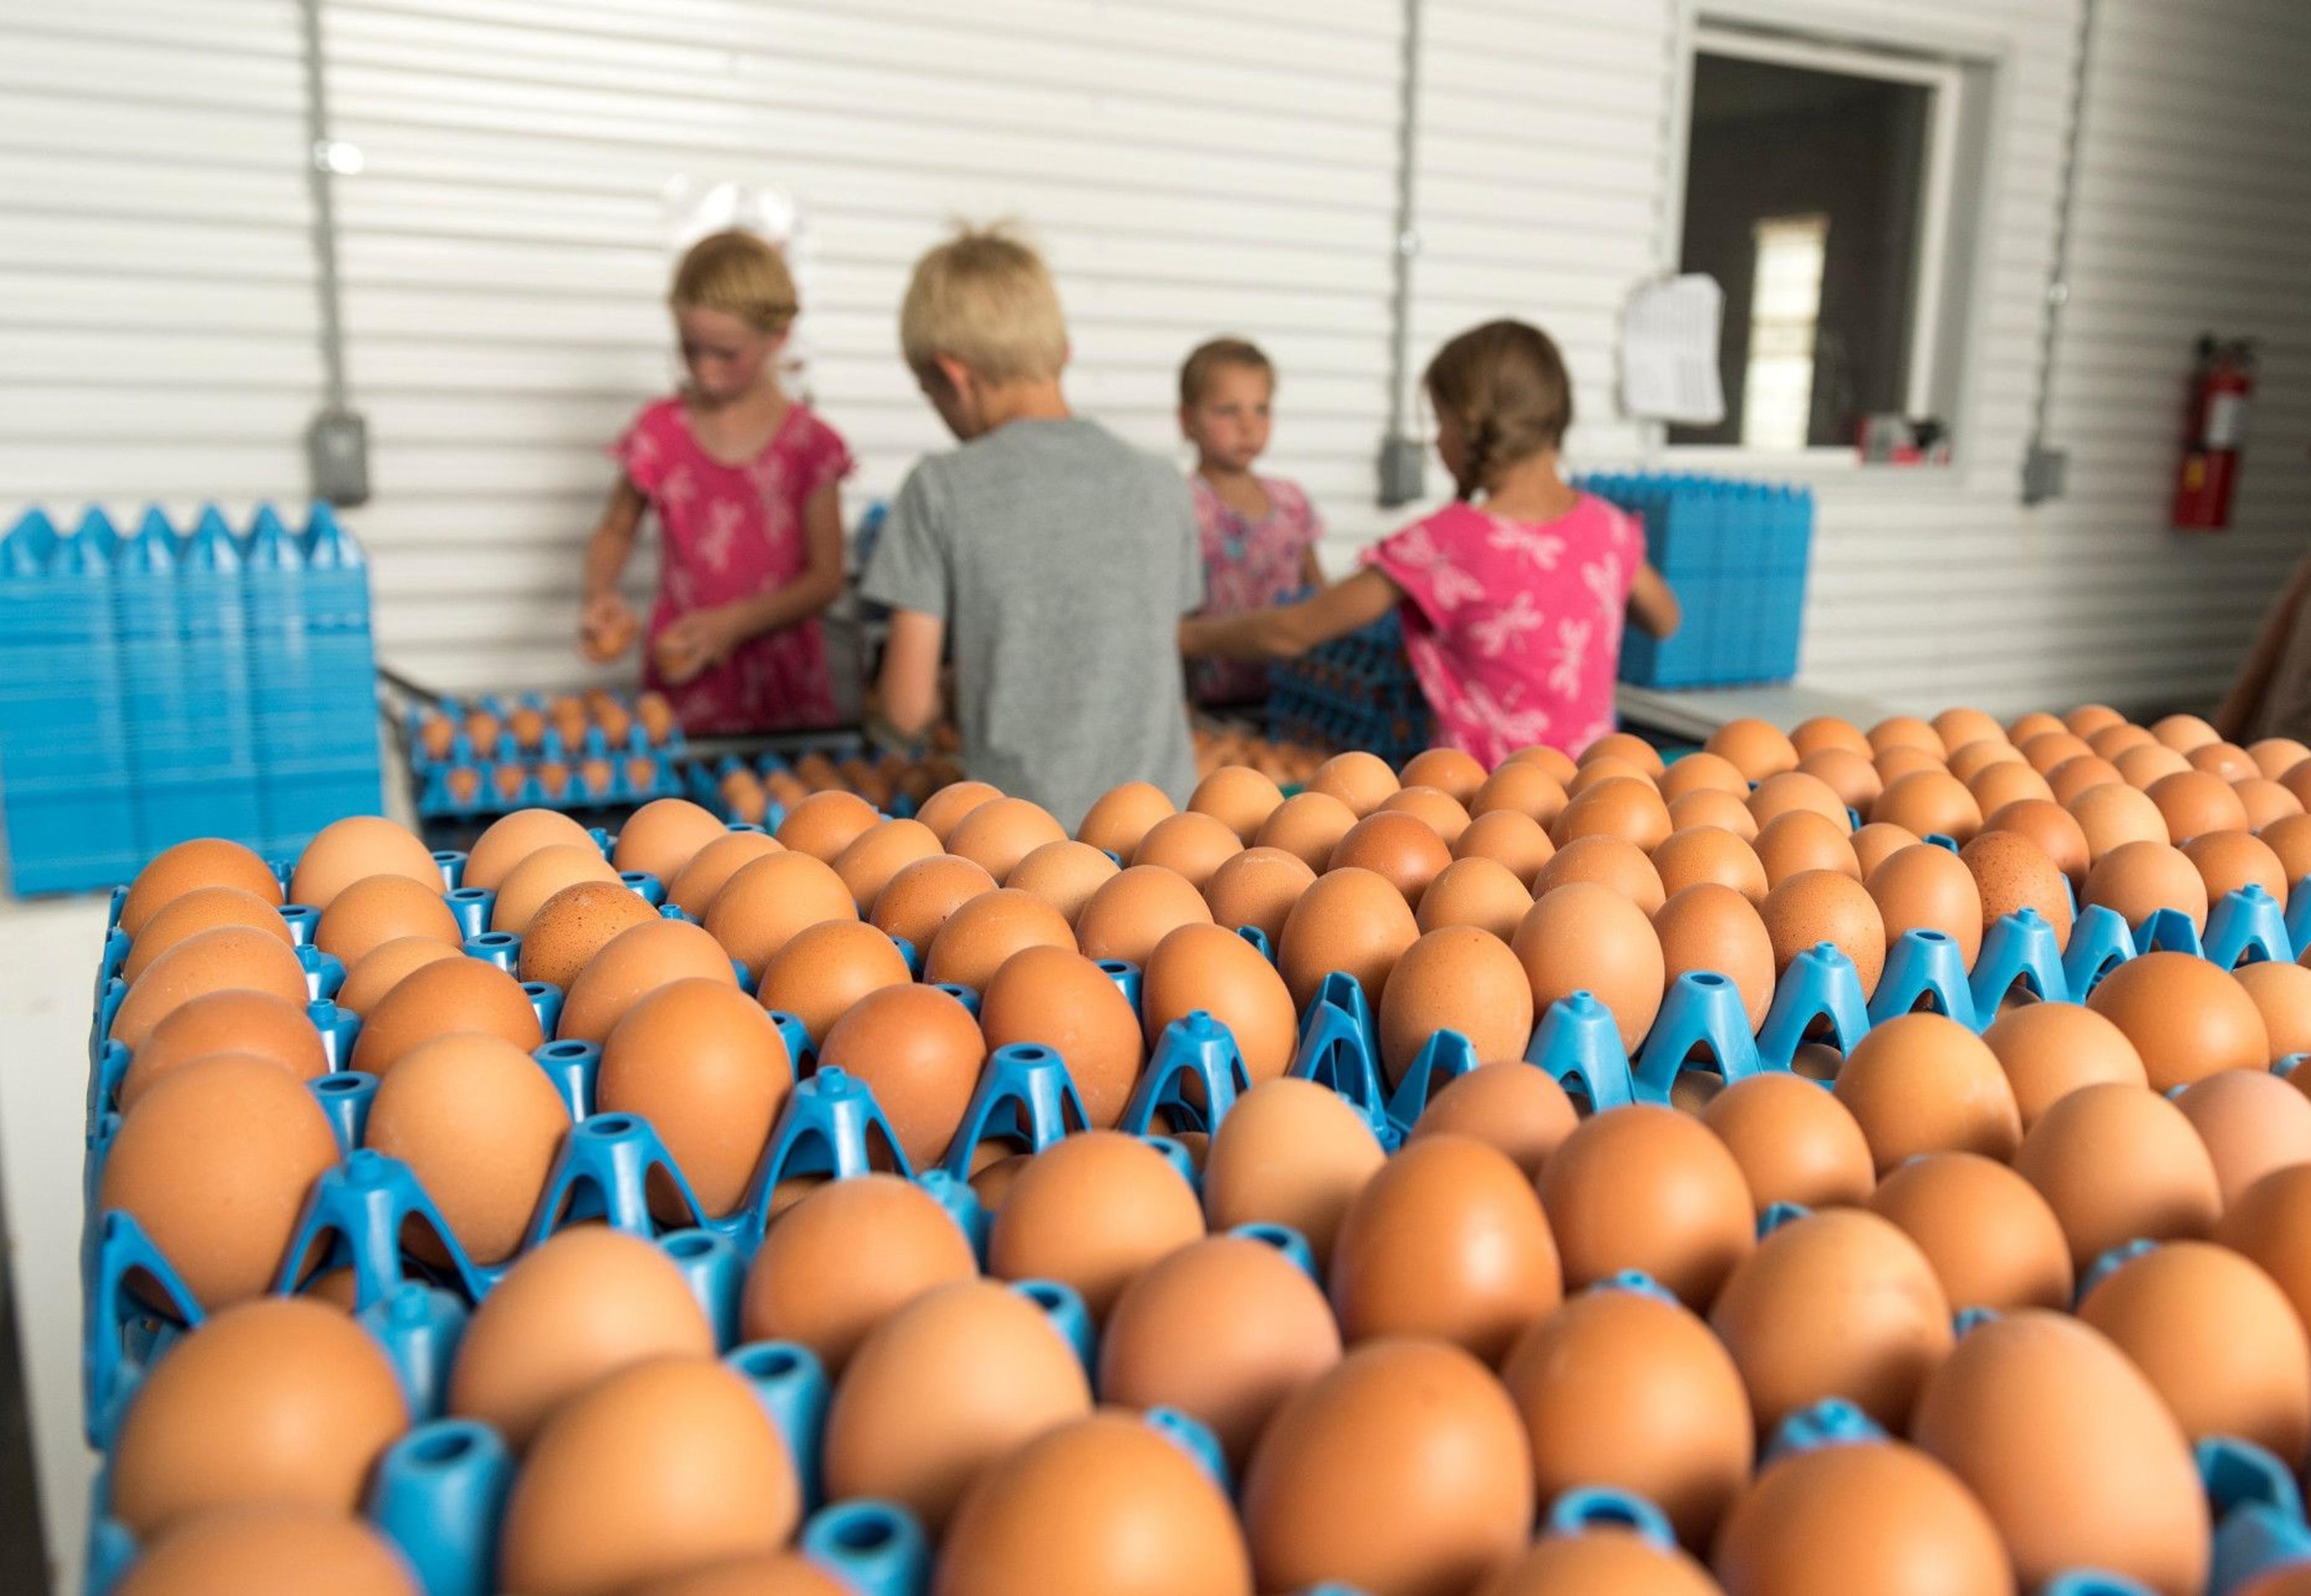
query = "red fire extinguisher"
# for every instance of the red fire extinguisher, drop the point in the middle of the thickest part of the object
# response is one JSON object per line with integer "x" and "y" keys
{"x": 2220, "y": 386}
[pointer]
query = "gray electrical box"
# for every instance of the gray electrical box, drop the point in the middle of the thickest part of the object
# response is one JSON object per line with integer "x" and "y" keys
{"x": 1401, "y": 463}
{"x": 2046, "y": 474}
{"x": 337, "y": 446}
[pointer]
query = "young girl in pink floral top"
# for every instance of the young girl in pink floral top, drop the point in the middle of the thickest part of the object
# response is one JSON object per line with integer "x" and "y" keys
{"x": 1512, "y": 596}
{"x": 1259, "y": 532}
{"x": 745, "y": 482}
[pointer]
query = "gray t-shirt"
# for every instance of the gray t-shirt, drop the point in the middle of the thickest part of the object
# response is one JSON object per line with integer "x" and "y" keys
{"x": 1061, "y": 560}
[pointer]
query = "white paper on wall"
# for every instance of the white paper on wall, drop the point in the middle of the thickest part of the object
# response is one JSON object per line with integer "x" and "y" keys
{"x": 1669, "y": 351}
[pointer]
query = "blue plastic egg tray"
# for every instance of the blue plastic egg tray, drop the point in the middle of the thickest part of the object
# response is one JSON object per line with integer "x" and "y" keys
{"x": 1355, "y": 692}
{"x": 462, "y": 786}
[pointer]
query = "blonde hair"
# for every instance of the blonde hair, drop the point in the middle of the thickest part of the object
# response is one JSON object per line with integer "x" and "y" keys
{"x": 740, "y": 274}
{"x": 1208, "y": 359}
{"x": 984, "y": 298}
{"x": 1504, "y": 386}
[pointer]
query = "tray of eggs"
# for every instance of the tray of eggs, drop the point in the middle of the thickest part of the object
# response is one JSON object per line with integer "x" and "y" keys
{"x": 763, "y": 788}
{"x": 1436, "y": 1180}
{"x": 493, "y": 754}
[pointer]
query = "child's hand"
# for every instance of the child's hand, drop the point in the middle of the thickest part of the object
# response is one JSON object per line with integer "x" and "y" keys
{"x": 696, "y": 641}
{"x": 606, "y": 628}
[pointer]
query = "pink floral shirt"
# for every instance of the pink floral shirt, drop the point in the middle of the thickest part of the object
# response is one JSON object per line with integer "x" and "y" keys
{"x": 732, "y": 532}
{"x": 1513, "y": 628}
{"x": 1248, "y": 565}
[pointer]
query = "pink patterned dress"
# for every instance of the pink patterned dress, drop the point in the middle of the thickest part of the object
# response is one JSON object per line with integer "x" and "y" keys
{"x": 1248, "y": 565}
{"x": 732, "y": 532}
{"x": 1513, "y": 628}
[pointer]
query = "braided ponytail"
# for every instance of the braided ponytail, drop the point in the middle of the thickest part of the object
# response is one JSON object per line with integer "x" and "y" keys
{"x": 1504, "y": 386}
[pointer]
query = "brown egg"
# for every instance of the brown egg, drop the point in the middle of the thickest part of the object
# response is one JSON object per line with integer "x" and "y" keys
{"x": 846, "y": 1258}
{"x": 1396, "y": 846}
{"x": 826, "y": 823}
{"x": 1440, "y": 812}
{"x": 1458, "y": 978}
{"x": 2227, "y": 862}
{"x": 1513, "y": 839}
{"x": 1827, "y": 731}
{"x": 824, "y": 969}
{"x": 2267, "y": 1224}
{"x": 1928, "y": 802}
{"x": 2137, "y": 878}
{"x": 1848, "y": 778}
{"x": 2024, "y": 726}
{"x": 1222, "y": 1330}
{"x": 2013, "y": 874}
{"x": 1511, "y": 1105}
{"x": 1123, "y": 815}
{"x": 709, "y": 869}
{"x": 350, "y": 850}
{"x": 1149, "y": 1213}
{"x": 1900, "y": 1520}
{"x": 221, "y": 959}
{"x": 1906, "y": 732}
{"x": 536, "y": 879}
{"x": 206, "y": 908}
{"x": 1645, "y": 1187}
{"x": 1874, "y": 844}
{"x": 2009, "y": 782}
{"x": 2071, "y": 1450}
{"x": 1824, "y": 906}
{"x": 948, "y": 807}
{"x": 1476, "y": 892}
{"x": 2049, "y": 1050}
{"x": 2187, "y": 1018}
{"x": 586, "y": 1302}
{"x": 1703, "y": 854}
{"x": 214, "y": 1163}
{"x": 2266, "y": 801}
{"x": 1308, "y": 825}
{"x": 438, "y": 999}
{"x": 1057, "y": 998}
{"x": 2114, "y": 738}
{"x": 1990, "y": 1238}
{"x": 1922, "y": 1083}
{"x": 2088, "y": 719}
{"x": 512, "y": 837}
{"x": 704, "y": 1065}
{"x": 2183, "y": 733}
{"x": 1711, "y": 807}
{"x": 2082, "y": 774}
{"x": 1708, "y": 926}
{"x": 1902, "y": 761}
{"x": 997, "y": 834}
{"x": 1453, "y": 1466}
{"x": 478, "y": 1123}
{"x": 767, "y": 902}
{"x": 1064, "y": 875}
{"x": 2050, "y": 751}
{"x": 1795, "y": 1143}
{"x": 2116, "y": 1162}
{"x": 2251, "y": 1124}
{"x": 634, "y": 963}
{"x": 1838, "y": 1303}
{"x": 1585, "y": 937}
{"x": 658, "y": 1468}
{"x": 1622, "y": 1389}
{"x": 1927, "y": 887}
{"x": 1460, "y": 773}
{"x": 2112, "y": 814}
{"x": 664, "y": 836}
{"x": 2291, "y": 839}
{"x": 2273, "y": 757}
{"x": 1700, "y": 771}
{"x": 1129, "y": 915}
{"x": 2226, "y": 760}
{"x": 1523, "y": 789}
{"x": 1192, "y": 845}
{"x": 1257, "y": 888}
{"x": 1556, "y": 762}
{"x": 1795, "y": 792}
{"x": 1609, "y": 862}
{"x": 573, "y": 925}
{"x": 1627, "y": 745}
{"x": 1212, "y": 969}
{"x": 1800, "y": 840}
{"x": 187, "y": 866}
{"x": 917, "y": 901}
{"x": 1239, "y": 797}
{"x": 273, "y": 1401}
{"x": 2049, "y": 827}
{"x": 1363, "y": 782}
{"x": 1351, "y": 920}
{"x": 2194, "y": 802}
{"x": 382, "y": 968}
{"x": 269, "y": 1549}
{"x": 988, "y": 929}
{"x": 254, "y": 1025}
{"x": 1448, "y": 1241}
{"x": 2146, "y": 766}
{"x": 1292, "y": 1153}
{"x": 1956, "y": 727}
{"x": 918, "y": 1050}
{"x": 1754, "y": 748}
{"x": 2217, "y": 1339}
{"x": 2282, "y": 995}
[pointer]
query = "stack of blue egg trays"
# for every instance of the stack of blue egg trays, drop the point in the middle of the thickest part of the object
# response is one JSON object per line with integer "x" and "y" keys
{"x": 160, "y": 686}
{"x": 1355, "y": 692}
{"x": 1737, "y": 554}
{"x": 438, "y": 794}
{"x": 438, "y": 1491}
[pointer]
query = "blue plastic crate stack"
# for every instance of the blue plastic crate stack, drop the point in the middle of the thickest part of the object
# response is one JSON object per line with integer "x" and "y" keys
{"x": 1355, "y": 692}
{"x": 549, "y": 770}
{"x": 1737, "y": 554}
{"x": 166, "y": 684}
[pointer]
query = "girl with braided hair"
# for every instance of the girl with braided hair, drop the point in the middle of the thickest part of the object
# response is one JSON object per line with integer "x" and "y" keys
{"x": 1512, "y": 596}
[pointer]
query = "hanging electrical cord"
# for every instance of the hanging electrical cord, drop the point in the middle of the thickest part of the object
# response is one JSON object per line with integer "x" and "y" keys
{"x": 1402, "y": 450}
{"x": 337, "y": 443}
{"x": 2044, "y": 468}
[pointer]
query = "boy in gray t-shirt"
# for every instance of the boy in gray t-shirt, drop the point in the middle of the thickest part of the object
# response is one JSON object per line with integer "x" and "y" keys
{"x": 1060, "y": 558}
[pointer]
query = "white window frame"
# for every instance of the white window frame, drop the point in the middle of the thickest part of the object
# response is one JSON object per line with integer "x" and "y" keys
{"x": 1936, "y": 194}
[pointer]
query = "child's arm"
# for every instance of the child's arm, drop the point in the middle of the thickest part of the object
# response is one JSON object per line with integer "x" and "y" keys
{"x": 2246, "y": 693}
{"x": 1291, "y": 630}
{"x": 909, "y": 685}
{"x": 603, "y": 613}
{"x": 706, "y": 637}
{"x": 1653, "y": 603}
{"x": 1311, "y": 569}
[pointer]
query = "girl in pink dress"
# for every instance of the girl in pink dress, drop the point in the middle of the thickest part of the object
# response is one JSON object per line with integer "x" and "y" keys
{"x": 1512, "y": 596}
{"x": 745, "y": 485}
{"x": 1259, "y": 532}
